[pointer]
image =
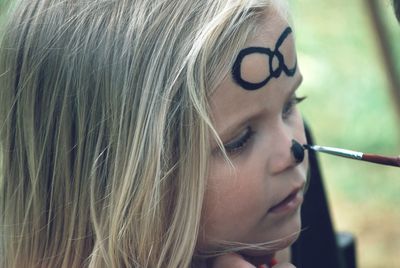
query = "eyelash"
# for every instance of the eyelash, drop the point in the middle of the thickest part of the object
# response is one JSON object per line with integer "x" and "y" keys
{"x": 288, "y": 108}
{"x": 240, "y": 143}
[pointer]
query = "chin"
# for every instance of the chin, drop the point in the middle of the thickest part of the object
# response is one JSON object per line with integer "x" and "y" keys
{"x": 291, "y": 230}
{"x": 263, "y": 254}
{"x": 266, "y": 242}
{"x": 287, "y": 232}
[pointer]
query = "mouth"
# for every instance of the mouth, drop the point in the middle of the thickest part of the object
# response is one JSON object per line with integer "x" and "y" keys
{"x": 289, "y": 204}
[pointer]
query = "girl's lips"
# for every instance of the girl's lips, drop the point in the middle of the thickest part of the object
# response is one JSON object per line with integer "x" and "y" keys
{"x": 289, "y": 203}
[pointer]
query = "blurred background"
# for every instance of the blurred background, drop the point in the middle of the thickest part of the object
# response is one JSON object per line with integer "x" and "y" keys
{"x": 349, "y": 105}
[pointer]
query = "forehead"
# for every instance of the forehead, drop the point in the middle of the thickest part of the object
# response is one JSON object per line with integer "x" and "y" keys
{"x": 231, "y": 102}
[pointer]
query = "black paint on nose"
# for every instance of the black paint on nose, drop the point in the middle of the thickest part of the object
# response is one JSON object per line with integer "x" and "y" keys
{"x": 297, "y": 151}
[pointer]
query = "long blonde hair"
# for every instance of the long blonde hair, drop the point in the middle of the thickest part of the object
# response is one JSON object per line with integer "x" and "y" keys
{"x": 105, "y": 128}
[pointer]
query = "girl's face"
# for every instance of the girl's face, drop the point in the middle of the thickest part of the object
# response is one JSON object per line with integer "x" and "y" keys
{"x": 255, "y": 115}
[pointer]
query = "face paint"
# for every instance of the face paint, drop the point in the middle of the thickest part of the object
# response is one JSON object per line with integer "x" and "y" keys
{"x": 297, "y": 151}
{"x": 272, "y": 55}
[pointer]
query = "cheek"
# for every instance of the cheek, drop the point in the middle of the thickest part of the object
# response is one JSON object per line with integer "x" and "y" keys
{"x": 227, "y": 190}
{"x": 235, "y": 200}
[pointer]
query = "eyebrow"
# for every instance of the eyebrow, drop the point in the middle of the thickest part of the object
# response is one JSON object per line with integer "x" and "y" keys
{"x": 233, "y": 127}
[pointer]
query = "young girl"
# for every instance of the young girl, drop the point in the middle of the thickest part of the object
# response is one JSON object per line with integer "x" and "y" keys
{"x": 139, "y": 133}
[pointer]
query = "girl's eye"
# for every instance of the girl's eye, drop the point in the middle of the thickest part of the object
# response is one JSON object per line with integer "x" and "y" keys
{"x": 289, "y": 106}
{"x": 240, "y": 142}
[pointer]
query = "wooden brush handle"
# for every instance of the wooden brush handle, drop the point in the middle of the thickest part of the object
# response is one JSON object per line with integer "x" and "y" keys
{"x": 390, "y": 161}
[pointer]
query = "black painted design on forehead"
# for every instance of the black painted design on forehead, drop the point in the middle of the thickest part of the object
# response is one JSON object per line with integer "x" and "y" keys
{"x": 272, "y": 54}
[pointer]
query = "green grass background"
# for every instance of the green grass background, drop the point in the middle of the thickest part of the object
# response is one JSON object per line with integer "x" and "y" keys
{"x": 349, "y": 106}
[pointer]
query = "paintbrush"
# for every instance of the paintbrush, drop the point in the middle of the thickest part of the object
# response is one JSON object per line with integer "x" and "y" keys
{"x": 373, "y": 158}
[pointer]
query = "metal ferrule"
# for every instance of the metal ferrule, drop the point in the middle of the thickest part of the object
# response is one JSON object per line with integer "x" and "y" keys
{"x": 337, "y": 151}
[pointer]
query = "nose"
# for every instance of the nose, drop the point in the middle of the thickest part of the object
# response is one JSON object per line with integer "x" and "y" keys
{"x": 286, "y": 153}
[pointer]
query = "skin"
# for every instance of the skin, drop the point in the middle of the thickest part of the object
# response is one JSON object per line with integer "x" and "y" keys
{"x": 238, "y": 201}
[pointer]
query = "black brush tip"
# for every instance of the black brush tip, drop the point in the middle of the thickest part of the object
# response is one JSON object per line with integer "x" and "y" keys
{"x": 306, "y": 146}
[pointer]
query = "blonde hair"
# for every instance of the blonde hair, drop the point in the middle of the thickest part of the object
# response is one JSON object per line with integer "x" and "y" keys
{"x": 105, "y": 127}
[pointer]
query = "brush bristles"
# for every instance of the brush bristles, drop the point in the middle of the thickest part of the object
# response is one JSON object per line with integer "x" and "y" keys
{"x": 306, "y": 146}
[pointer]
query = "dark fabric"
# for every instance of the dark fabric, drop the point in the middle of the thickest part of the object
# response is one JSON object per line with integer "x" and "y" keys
{"x": 396, "y": 4}
{"x": 316, "y": 246}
